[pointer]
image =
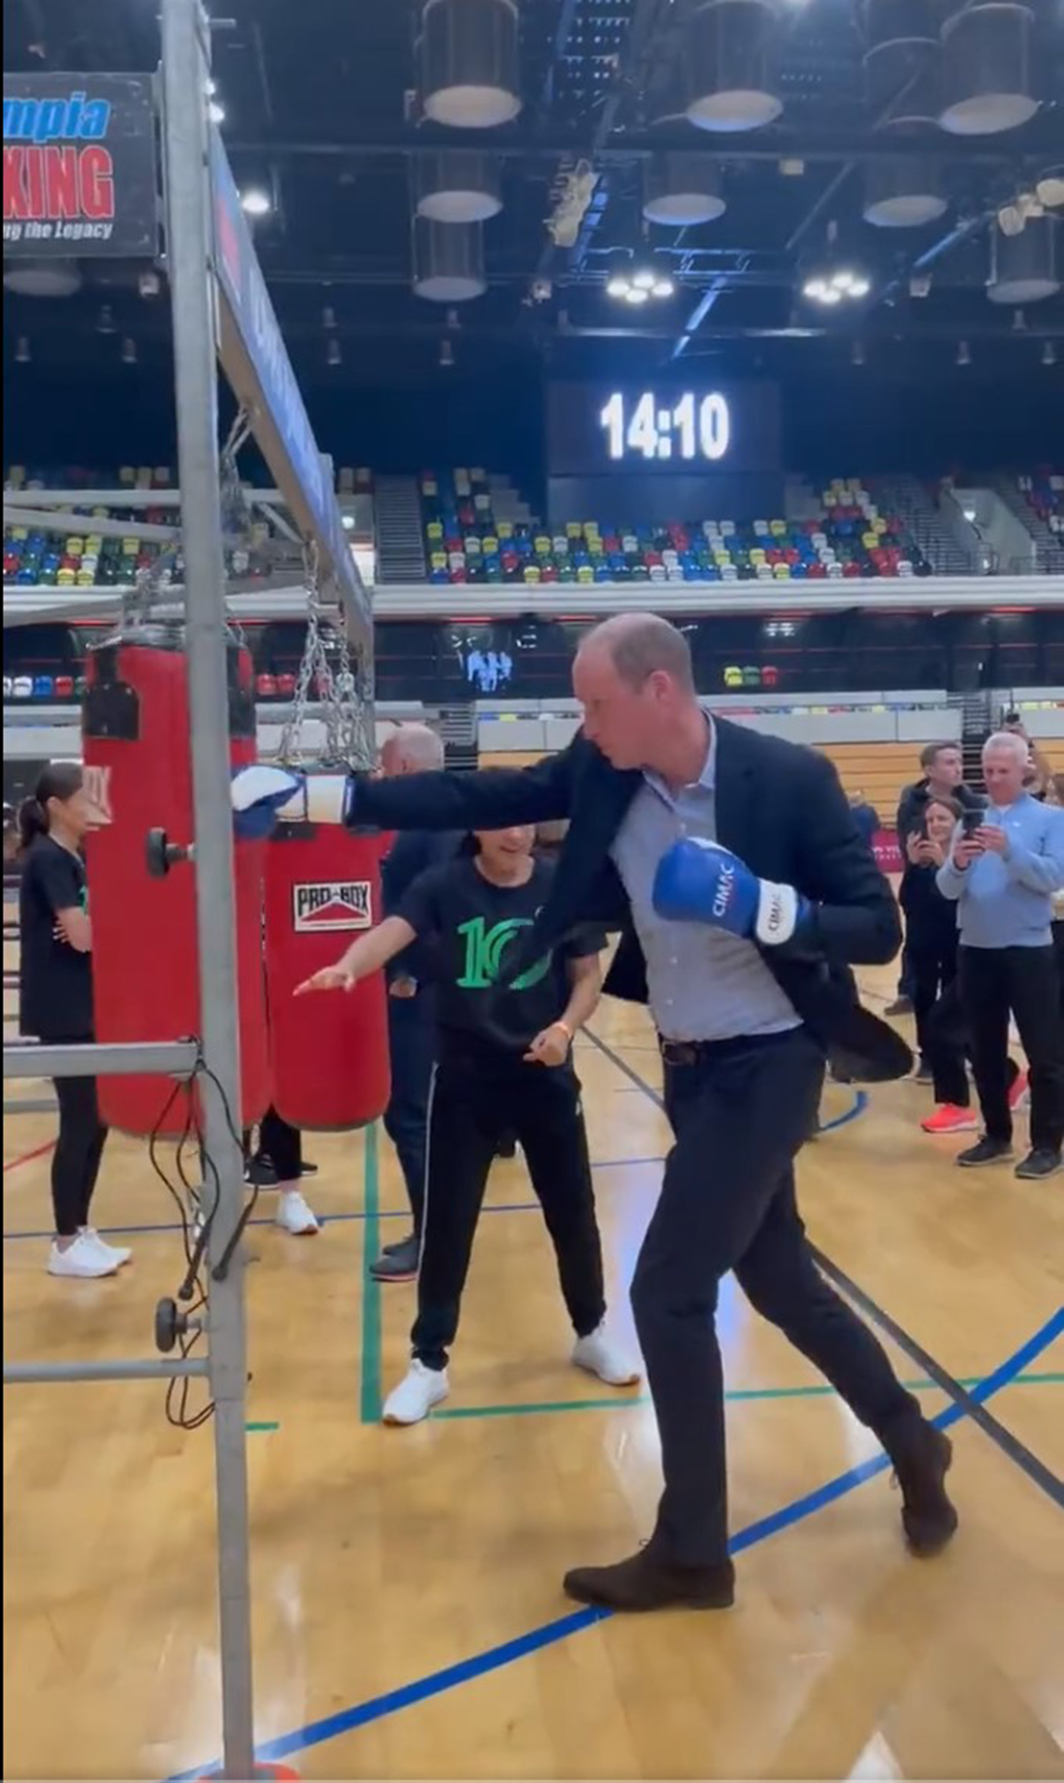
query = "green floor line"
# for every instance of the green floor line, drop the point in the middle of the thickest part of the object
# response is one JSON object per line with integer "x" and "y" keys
{"x": 260, "y": 1429}
{"x": 624, "y": 1401}
{"x": 371, "y": 1294}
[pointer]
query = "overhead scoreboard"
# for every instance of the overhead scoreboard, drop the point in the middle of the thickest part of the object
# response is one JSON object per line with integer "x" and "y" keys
{"x": 664, "y": 448}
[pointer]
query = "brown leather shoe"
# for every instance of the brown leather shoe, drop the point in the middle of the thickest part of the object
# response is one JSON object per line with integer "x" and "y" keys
{"x": 922, "y": 1455}
{"x": 645, "y": 1582}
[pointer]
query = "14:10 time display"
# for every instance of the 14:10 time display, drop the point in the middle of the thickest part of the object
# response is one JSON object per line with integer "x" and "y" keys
{"x": 687, "y": 427}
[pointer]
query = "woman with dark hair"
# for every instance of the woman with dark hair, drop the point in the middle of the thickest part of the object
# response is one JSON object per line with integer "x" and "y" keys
{"x": 55, "y": 1003}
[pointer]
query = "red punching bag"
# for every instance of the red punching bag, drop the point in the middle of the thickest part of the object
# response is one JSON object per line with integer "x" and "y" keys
{"x": 135, "y": 727}
{"x": 329, "y": 1053}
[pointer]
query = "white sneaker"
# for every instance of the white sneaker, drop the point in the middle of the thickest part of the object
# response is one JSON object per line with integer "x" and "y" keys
{"x": 598, "y": 1353}
{"x": 82, "y": 1258}
{"x": 118, "y": 1252}
{"x": 295, "y": 1215}
{"x": 416, "y": 1394}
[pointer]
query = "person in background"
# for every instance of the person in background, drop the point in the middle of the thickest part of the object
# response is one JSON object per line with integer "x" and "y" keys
{"x": 1039, "y": 775}
{"x": 1055, "y": 797}
{"x": 931, "y": 925}
{"x": 505, "y": 1064}
{"x": 865, "y": 816}
{"x": 942, "y": 778}
{"x": 411, "y": 749}
{"x": 1002, "y": 876}
{"x": 55, "y": 1003}
{"x": 278, "y": 1163}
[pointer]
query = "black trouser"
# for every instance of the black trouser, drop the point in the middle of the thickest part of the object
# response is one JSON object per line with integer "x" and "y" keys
{"x": 412, "y": 1049}
{"x": 470, "y": 1109}
{"x": 740, "y": 1112}
{"x": 79, "y": 1148}
{"x": 946, "y": 1048}
{"x": 932, "y": 969}
{"x": 905, "y": 975}
{"x": 1058, "y": 951}
{"x": 995, "y": 980}
{"x": 283, "y": 1145}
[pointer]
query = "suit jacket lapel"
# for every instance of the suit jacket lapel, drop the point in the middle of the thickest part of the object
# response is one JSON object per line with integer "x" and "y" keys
{"x": 732, "y": 788}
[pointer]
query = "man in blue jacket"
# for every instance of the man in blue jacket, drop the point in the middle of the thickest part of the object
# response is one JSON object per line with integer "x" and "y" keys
{"x": 1003, "y": 875}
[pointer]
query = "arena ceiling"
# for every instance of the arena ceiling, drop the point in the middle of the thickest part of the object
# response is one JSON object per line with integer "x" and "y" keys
{"x": 322, "y": 115}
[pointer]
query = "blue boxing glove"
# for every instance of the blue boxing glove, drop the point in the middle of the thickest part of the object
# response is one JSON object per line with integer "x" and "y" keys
{"x": 263, "y": 796}
{"x": 699, "y": 881}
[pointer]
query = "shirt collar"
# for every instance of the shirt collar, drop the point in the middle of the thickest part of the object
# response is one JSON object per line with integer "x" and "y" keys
{"x": 707, "y": 779}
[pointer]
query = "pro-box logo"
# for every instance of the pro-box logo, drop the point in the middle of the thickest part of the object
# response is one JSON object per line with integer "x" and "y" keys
{"x": 338, "y": 904}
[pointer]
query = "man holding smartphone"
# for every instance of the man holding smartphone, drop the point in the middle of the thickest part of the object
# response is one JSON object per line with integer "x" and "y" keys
{"x": 1004, "y": 866}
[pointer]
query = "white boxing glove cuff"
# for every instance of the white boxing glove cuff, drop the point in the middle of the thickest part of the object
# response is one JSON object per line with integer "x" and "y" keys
{"x": 777, "y": 913}
{"x": 322, "y": 799}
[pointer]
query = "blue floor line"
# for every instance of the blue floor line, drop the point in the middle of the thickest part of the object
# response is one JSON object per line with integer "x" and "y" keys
{"x": 316, "y": 1733}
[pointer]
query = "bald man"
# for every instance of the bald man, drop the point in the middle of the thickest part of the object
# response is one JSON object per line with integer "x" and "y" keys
{"x": 411, "y": 749}
{"x": 732, "y": 866}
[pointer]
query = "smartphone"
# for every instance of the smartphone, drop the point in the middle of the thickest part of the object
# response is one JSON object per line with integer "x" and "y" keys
{"x": 1011, "y": 718}
{"x": 970, "y": 822}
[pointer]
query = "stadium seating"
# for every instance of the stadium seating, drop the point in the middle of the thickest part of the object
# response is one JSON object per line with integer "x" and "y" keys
{"x": 465, "y": 542}
{"x": 1044, "y": 494}
{"x": 35, "y": 556}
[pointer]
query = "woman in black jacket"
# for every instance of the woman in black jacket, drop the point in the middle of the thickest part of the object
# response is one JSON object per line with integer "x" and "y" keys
{"x": 55, "y": 1003}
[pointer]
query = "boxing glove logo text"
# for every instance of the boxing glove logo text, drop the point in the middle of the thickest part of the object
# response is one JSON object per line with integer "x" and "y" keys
{"x": 722, "y": 895}
{"x": 331, "y": 904}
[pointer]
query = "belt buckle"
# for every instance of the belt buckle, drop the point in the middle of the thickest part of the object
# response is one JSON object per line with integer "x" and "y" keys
{"x": 678, "y": 1052}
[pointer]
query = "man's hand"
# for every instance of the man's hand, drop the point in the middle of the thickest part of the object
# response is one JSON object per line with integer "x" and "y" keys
{"x": 330, "y": 978}
{"x": 550, "y": 1048}
{"x": 698, "y": 881}
{"x": 994, "y": 840}
{"x": 966, "y": 850}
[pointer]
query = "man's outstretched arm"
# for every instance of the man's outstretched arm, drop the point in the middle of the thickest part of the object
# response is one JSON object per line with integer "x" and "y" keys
{"x": 491, "y": 799}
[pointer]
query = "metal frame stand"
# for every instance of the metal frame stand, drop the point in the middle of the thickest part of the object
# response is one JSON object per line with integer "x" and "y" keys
{"x": 185, "y": 62}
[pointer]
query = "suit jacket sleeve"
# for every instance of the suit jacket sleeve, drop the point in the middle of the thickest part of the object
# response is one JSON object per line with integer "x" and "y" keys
{"x": 854, "y": 919}
{"x": 488, "y": 800}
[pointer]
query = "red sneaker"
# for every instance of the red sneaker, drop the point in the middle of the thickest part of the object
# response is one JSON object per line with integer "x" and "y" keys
{"x": 951, "y": 1119}
{"x": 1019, "y": 1094}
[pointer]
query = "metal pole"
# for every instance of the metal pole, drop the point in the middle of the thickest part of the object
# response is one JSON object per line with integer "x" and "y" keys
{"x": 98, "y": 1058}
{"x": 18, "y": 1374}
{"x": 189, "y": 238}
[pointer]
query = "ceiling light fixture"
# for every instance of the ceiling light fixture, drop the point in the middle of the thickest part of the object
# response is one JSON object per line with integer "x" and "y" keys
{"x": 256, "y": 202}
{"x": 129, "y": 351}
{"x": 964, "y": 353}
{"x": 640, "y": 285}
{"x": 23, "y": 354}
{"x": 834, "y": 287}
{"x": 216, "y": 112}
{"x": 1049, "y": 354}
{"x": 333, "y": 353}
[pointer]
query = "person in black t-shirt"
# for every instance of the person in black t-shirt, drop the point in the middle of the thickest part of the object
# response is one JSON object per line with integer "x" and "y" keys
{"x": 503, "y": 1065}
{"x": 55, "y": 1003}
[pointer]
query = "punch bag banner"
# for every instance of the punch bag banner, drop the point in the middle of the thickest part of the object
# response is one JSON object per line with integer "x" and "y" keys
{"x": 80, "y": 174}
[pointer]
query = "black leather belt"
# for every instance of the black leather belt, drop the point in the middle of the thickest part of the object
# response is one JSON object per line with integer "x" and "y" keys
{"x": 696, "y": 1052}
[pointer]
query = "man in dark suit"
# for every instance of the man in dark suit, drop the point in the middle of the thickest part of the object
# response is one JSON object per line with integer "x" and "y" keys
{"x": 411, "y": 749}
{"x": 741, "y": 985}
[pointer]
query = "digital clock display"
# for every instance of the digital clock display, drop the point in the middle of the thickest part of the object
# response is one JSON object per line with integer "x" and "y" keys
{"x": 666, "y": 427}
{"x": 687, "y": 427}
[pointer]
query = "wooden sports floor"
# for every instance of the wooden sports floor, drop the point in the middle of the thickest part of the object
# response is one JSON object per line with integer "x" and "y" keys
{"x": 408, "y": 1615}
